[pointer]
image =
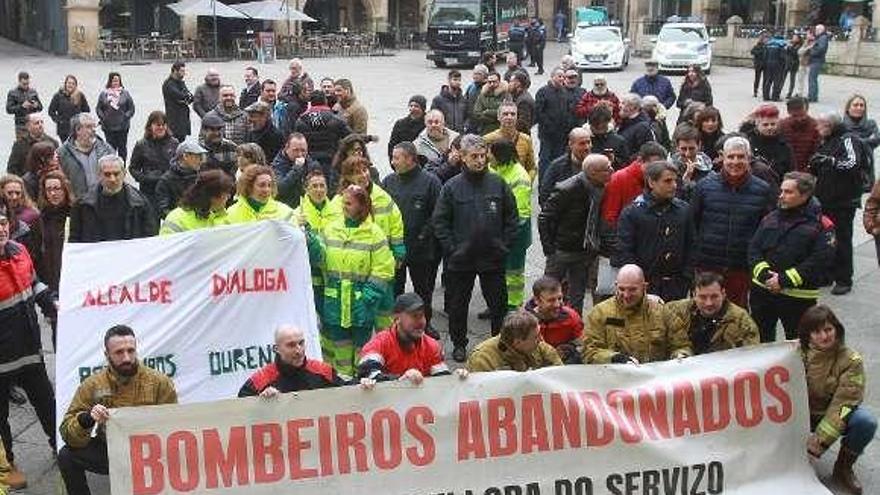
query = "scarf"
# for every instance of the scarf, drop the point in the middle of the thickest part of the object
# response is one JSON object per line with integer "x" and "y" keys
{"x": 113, "y": 95}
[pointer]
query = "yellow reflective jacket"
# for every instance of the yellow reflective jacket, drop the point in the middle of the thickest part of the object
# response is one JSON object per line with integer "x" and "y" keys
{"x": 835, "y": 385}
{"x": 317, "y": 218}
{"x": 386, "y": 215}
{"x": 492, "y": 355}
{"x": 182, "y": 220}
{"x": 243, "y": 212}
{"x": 646, "y": 332}
{"x": 358, "y": 270}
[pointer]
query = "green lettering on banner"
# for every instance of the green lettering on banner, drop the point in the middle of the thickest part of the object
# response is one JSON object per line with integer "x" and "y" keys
{"x": 163, "y": 364}
{"x": 238, "y": 359}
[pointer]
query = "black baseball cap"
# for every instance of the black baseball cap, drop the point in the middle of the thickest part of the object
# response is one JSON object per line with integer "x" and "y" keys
{"x": 408, "y": 302}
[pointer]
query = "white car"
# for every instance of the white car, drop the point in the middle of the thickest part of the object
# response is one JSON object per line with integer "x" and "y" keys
{"x": 681, "y": 44}
{"x": 599, "y": 47}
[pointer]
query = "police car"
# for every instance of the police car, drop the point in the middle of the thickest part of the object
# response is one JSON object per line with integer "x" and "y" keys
{"x": 598, "y": 47}
{"x": 682, "y": 42}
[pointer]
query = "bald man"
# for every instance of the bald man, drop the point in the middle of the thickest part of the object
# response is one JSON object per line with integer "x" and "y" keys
{"x": 291, "y": 370}
{"x": 579, "y": 144}
{"x": 632, "y": 329}
{"x": 207, "y": 95}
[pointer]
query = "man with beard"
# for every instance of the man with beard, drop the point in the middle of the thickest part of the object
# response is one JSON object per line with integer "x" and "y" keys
{"x": 262, "y": 131}
{"x": 767, "y": 143}
{"x": 799, "y": 130}
{"x": 434, "y": 141}
{"x": 452, "y": 102}
{"x": 408, "y": 128}
{"x": 600, "y": 94}
{"x": 518, "y": 88}
{"x": 207, "y": 95}
{"x": 235, "y": 121}
{"x": 125, "y": 382}
{"x": 220, "y": 151}
{"x": 652, "y": 83}
{"x": 630, "y": 328}
{"x": 713, "y": 322}
{"x": 604, "y": 140}
{"x": 404, "y": 351}
{"x": 292, "y": 370}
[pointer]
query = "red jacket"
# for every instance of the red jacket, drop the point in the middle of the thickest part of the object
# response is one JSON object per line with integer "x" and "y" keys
{"x": 384, "y": 354}
{"x": 625, "y": 185}
{"x": 589, "y": 100}
{"x": 803, "y": 137}
{"x": 565, "y": 328}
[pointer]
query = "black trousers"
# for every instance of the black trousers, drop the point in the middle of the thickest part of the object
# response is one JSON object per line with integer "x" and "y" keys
{"x": 792, "y": 76}
{"x": 843, "y": 231}
{"x": 35, "y": 383}
{"x": 759, "y": 71}
{"x": 877, "y": 247}
{"x": 773, "y": 79}
{"x": 769, "y": 308}
{"x": 423, "y": 276}
{"x": 538, "y": 57}
{"x": 458, "y": 291}
{"x": 669, "y": 288}
{"x": 73, "y": 464}
{"x": 119, "y": 141}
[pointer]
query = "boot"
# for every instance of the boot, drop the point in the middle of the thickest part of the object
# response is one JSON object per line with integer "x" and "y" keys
{"x": 843, "y": 471}
{"x": 16, "y": 479}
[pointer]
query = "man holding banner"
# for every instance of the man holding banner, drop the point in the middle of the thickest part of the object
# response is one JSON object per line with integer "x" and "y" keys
{"x": 123, "y": 383}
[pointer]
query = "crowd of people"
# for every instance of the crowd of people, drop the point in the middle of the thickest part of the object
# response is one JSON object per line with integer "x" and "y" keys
{"x": 798, "y": 59}
{"x": 691, "y": 241}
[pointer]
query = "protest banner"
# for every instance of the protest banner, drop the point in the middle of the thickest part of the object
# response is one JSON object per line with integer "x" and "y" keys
{"x": 725, "y": 423}
{"x": 204, "y": 305}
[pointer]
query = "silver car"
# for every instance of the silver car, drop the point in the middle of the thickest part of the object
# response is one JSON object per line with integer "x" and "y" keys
{"x": 598, "y": 47}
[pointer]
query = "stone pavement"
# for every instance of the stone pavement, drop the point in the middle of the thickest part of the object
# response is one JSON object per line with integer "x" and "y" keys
{"x": 384, "y": 85}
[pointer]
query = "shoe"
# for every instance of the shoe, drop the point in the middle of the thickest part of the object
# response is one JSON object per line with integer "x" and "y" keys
{"x": 432, "y": 332}
{"x": 17, "y": 397}
{"x": 16, "y": 479}
{"x": 539, "y": 72}
{"x": 843, "y": 471}
{"x": 840, "y": 289}
{"x": 459, "y": 354}
{"x": 484, "y": 315}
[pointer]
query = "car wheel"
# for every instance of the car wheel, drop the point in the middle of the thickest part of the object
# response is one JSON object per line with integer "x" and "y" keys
{"x": 440, "y": 63}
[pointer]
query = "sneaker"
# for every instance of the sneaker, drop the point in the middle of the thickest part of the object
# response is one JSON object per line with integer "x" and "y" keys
{"x": 484, "y": 315}
{"x": 432, "y": 332}
{"x": 16, "y": 479}
{"x": 840, "y": 289}
{"x": 459, "y": 354}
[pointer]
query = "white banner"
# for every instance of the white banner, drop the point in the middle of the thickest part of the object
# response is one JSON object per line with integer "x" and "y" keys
{"x": 732, "y": 422}
{"x": 203, "y": 304}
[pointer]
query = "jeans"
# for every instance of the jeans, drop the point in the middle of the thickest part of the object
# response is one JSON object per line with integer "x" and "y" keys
{"x": 35, "y": 383}
{"x": 843, "y": 254}
{"x": 813, "y": 80}
{"x": 73, "y": 464}
{"x": 571, "y": 269}
{"x": 459, "y": 288}
{"x": 860, "y": 428}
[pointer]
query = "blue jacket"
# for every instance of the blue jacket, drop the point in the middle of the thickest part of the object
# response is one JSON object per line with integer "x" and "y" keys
{"x": 820, "y": 48}
{"x": 726, "y": 218}
{"x": 658, "y": 86}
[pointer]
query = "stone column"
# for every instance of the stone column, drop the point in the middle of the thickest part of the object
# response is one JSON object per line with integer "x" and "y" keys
{"x": 708, "y": 10}
{"x": 83, "y": 28}
{"x": 797, "y": 11}
{"x": 189, "y": 27}
{"x": 377, "y": 13}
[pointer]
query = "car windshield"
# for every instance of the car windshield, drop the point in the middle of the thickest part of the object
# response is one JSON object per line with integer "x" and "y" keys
{"x": 594, "y": 34}
{"x": 682, "y": 34}
{"x": 456, "y": 14}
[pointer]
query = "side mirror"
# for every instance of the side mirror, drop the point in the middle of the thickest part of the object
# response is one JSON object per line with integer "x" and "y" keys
{"x": 712, "y": 39}
{"x": 654, "y": 40}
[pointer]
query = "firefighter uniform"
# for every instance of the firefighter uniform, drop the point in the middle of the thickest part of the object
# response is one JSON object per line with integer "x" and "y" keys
{"x": 493, "y": 354}
{"x": 798, "y": 244}
{"x": 519, "y": 181}
{"x": 646, "y": 332}
{"x": 358, "y": 270}
{"x": 732, "y": 327}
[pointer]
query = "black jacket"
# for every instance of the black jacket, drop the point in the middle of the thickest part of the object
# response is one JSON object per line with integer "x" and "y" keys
{"x": 554, "y": 113}
{"x": 688, "y": 94}
{"x": 800, "y": 239}
{"x": 291, "y": 179}
{"x": 151, "y": 158}
{"x": 285, "y": 378}
{"x": 62, "y": 109}
{"x": 115, "y": 119}
{"x": 249, "y": 95}
{"x": 405, "y": 129}
{"x": 726, "y": 218}
{"x": 617, "y": 144}
{"x": 17, "y": 163}
{"x": 268, "y": 138}
{"x": 221, "y": 156}
{"x": 475, "y": 221}
{"x": 560, "y": 169}
{"x": 86, "y": 226}
{"x": 637, "y": 131}
{"x": 323, "y": 130}
{"x": 454, "y": 107}
{"x": 177, "y": 99}
{"x": 415, "y": 193}
{"x": 773, "y": 150}
{"x": 838, "y": 167}
{"x": 563, "y": 221}
{"x": 659, "y": 237}
{"x": 171, "y": 185}
{"x": 15, "y": 99}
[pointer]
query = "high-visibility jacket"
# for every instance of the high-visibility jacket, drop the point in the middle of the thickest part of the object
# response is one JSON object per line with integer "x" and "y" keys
{"x": 243, "y": 212}
{"x": 520, "y": 183}
{"x": 386, "y": 215}
{"x": 317, "y": 218}
{"x": 183, "y": 219}
{"x": 358, "y": 270}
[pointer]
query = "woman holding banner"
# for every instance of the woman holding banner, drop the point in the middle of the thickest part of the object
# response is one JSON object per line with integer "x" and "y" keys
{"x": 358, "y": 271}
{"x": 836, "y": 387}
{"x": 202, "y": 205}
{"x": 256, "y": 198}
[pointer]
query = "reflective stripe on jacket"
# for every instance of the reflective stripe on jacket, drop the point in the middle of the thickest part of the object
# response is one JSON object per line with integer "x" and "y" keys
{"x": 183, "y": 220}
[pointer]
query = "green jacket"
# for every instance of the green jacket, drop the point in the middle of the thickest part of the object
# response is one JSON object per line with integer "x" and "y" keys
{"x": 358, "y": 271}
{"x": 243, "y": 212}
{"x": 182, "y": 220}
